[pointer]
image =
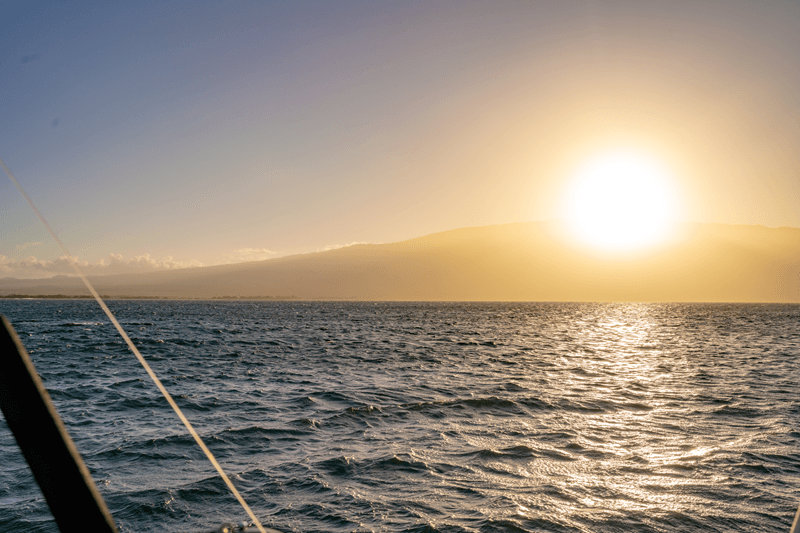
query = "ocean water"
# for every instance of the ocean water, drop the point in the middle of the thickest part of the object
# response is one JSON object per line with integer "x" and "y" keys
{"x": 424, "y": 417}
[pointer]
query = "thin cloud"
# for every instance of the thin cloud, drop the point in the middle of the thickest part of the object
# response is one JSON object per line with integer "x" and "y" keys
{"x": 337, "y": 246}
{"x": 31, "y": 267}
{"x": 26, "y": 245}
{"x": 249, "y": 254}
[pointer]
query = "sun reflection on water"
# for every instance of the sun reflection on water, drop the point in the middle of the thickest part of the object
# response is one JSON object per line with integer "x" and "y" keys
{"x": 623, "y": 438}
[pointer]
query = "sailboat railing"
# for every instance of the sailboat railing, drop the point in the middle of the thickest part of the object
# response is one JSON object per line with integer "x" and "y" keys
{"x": 53, "y": 458}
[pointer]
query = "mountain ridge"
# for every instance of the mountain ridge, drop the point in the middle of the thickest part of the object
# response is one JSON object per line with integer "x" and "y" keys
{"x": 525, "y": 261}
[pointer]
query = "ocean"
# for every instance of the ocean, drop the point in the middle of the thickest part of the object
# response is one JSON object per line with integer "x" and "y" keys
{"x": 424, "y": 417}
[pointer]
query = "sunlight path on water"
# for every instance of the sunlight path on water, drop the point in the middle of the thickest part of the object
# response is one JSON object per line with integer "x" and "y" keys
{"x": 135, "y": 351}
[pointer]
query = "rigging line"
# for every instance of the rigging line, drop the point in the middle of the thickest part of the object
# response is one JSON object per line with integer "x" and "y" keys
{"x": 135, "y": 351}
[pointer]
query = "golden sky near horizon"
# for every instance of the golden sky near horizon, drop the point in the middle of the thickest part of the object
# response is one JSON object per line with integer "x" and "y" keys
{"x": 155, "y": 136}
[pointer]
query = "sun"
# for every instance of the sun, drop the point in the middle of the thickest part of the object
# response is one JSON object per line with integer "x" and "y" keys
{"x": 621, "y": 200}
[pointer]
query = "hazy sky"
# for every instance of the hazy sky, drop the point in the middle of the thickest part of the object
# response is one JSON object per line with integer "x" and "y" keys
{"x": 157, "y": 134}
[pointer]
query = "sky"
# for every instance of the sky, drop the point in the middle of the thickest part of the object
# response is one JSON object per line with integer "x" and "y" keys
{"x": 159, "y": 135}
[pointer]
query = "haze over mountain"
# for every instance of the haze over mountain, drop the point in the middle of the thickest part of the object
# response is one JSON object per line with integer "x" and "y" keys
{"x": 536, "y": 261}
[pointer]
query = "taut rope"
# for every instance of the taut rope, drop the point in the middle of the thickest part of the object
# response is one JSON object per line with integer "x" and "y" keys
{"x": 135, "y": 351}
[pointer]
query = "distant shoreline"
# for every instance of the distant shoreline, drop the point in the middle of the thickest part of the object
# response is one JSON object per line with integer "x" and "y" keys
{"x": 357, "y": 300}
{"x": 109, "y": 297}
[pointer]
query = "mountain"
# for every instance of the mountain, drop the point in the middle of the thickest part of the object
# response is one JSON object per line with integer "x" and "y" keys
{"x": 535, "y": 261}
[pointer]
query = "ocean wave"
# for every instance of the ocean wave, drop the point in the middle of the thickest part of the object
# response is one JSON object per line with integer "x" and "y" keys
{"x": 344, "y": 417}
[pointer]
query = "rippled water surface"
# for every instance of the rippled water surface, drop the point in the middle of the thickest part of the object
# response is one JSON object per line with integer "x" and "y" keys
{"x": 424, "y": 417}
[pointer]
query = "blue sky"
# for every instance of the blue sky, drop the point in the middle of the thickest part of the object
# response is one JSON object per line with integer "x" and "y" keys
{"x": 163, "y": 134}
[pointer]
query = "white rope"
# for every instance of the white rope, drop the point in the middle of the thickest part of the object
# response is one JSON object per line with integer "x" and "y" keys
{"x": 135, "y": 351}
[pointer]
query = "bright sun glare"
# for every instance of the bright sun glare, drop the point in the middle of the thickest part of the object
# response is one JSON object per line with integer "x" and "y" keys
{"x": 621, "y": 200}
